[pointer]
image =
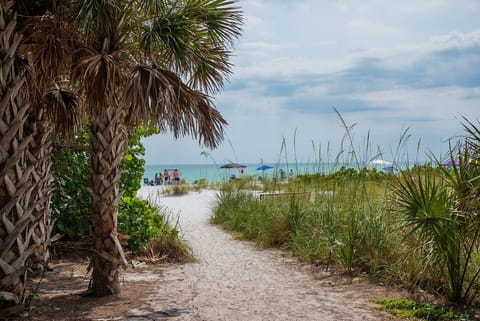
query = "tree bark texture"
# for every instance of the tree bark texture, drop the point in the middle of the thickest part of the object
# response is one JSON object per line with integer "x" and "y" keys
{"x": 108, "y": 145}
{"x": 16, "y": 203}
{"x": 39, "y": 155}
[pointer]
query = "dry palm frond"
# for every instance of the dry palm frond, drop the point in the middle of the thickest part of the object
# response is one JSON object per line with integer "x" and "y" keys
{"x": 100, "y": 76}
{"x": 48, "y": 44}
{"x": 161, "y": 96}
{"x": 63, "y": 109}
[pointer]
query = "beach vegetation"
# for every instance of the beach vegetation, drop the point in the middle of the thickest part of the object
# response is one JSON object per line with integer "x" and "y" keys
{"x": 179, "y": 189}
{"x": 413, "y": 310}
{"x": 71, "y": 203}
{"x": 417, "y": 228}
{"x": 443, "y": 211}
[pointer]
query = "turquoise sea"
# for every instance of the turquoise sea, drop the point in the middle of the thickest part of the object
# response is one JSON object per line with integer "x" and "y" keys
{"x": 213, "y": 173}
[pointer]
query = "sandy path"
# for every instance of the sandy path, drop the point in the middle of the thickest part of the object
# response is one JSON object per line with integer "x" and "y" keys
{"x": 234, "y": 281}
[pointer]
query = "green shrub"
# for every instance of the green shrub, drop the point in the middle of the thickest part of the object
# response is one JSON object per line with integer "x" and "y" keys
{"x": 167, "y": 247}
{"x": 71, "y": 203}
{"x": 139, "y": 221}
{"x": 409, "y": 309}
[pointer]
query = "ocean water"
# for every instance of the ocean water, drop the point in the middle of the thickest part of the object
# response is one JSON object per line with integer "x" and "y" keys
{"x": 213, "y": 173}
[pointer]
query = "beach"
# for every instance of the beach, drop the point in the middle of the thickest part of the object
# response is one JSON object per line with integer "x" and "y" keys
{"x": 235, "y": 281}
{"x": 212, "y": 173}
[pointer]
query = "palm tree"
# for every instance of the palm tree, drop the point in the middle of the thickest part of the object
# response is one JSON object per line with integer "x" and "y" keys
{"x": 28, "y": 72}
{"x": 133, "y": 69}
{"x": 15, "y": 188}
{"x": 54, "y": 110}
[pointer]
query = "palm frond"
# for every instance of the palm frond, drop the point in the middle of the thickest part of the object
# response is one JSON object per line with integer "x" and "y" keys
{"x": 192, "y": 38}
{"x": 425, "y": 203}
{"x": 473, "y": 141}
{"x": 100, "y": 76}
{"x": 63, "y": 109}
{"x": 172, "y": 35}
{"x": 93, "y": 15}
{"x": 210, "y": 70}
{"x": 161, "y": 96}
{"x": 222, "y": 20}
{"x": 48, "y": 46}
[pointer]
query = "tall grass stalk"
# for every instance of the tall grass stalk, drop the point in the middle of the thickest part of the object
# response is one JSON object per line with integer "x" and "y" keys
{"x": 352, "y": 224}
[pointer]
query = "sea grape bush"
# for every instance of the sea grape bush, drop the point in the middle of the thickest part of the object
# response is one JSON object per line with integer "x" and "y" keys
{"x": 71, "y": 203}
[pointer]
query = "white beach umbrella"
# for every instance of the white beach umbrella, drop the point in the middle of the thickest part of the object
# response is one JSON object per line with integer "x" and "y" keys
{"x": 379, "y": 162}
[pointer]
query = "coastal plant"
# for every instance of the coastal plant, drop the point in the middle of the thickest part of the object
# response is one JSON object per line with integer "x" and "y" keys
{"x": 71, "y": 204}
{"x": 167, "y": 247}
{"x": 408, "y": 309}
{"x": 266, "y": 223}
{"x": 150, "y": 232}
{"x": 443, "y": 210}
{"x": 139, "y": 221}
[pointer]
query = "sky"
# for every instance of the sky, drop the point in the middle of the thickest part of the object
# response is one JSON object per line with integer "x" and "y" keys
{"x": 306, "y": 70}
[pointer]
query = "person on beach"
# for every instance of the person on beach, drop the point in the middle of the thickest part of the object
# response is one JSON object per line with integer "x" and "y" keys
{"x": 157, "y": 179}
{"x": 176, "y": 176}
{"x": 160, "y": 179}
{"x": 166, "y": 177}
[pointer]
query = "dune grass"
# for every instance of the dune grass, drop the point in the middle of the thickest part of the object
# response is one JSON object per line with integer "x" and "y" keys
{"x": 418, "y": 229}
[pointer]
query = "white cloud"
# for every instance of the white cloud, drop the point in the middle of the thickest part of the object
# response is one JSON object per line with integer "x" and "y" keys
{"x": 455, "y": 40}
{"x": 368, "y": 28}
{"x": 385, "y": 65}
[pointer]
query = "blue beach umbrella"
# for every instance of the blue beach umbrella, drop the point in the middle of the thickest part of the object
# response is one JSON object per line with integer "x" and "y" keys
{"x": 264, "y": 167}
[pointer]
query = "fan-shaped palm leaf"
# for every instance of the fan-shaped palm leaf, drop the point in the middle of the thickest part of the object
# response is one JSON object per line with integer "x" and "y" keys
{"x": 64, "y": 110}
{"x": 100, "y": 75}
{"x": 161, "y": 96}
{"x": 192, "y": 39}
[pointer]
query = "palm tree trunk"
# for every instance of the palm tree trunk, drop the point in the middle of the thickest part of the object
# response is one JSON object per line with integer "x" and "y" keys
{"x": 16, "y": 205}
{"x": 108, "y": 145}
{"x": 39, "y": 156}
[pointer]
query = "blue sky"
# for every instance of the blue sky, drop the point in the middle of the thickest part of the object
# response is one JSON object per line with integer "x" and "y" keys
{"x": 386, "y": 66}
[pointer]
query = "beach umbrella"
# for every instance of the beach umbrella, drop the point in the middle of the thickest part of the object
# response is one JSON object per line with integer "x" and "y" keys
{"x": 264, "y": 167}
{"x": 451, "y": 164}
{"x": 233, "y": 165}
{"x": 379, "y": 162}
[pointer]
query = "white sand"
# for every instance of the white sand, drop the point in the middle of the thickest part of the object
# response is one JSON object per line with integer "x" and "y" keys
{"x": 235, "y": 281}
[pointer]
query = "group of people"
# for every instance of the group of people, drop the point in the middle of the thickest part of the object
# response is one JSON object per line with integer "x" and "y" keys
{"x": 167, "y": 178}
